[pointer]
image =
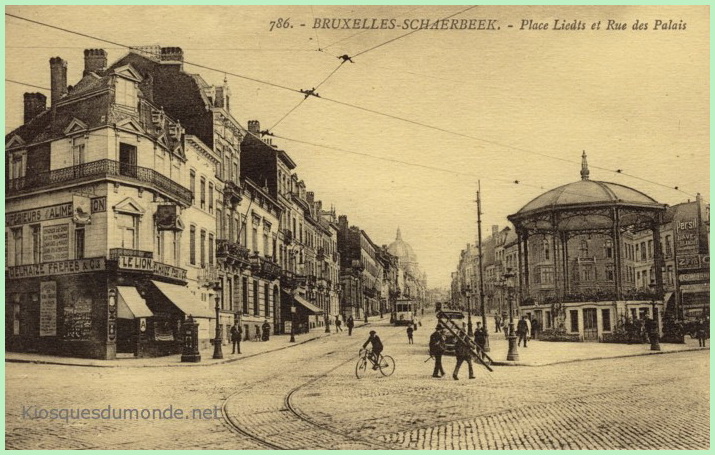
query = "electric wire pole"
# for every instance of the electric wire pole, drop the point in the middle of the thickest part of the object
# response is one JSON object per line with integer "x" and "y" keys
{"x": 481, "y": 266}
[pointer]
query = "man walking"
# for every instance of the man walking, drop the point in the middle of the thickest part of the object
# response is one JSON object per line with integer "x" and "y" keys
{"x": 464, "y": 354}
{"x": 480, "y": 338}
{"x": 350, "y": 324}
{"x": 535, "y": 327}
{"x": 436, "y": 349}
{"x": 236, "y": 337}
{"x": 266, "y": 329}
{"x": 497, "y": 323}
{"x": 522, "y": 329}
{"x": 409, "y": 334}
{"x": 338, "y": 324}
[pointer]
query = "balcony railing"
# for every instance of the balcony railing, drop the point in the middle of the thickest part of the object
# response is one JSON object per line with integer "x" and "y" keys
{"x": 232, "y": 194}
{"x": 208, "y": 274}
{"x": 114, "y": 253}
{"x": 100, "y": 169}
{"x": 232, "y": 252}
{"x": 265, "y": 267}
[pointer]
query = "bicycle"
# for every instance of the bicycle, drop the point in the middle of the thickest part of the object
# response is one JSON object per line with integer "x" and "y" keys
{"x": 385, "y": 364}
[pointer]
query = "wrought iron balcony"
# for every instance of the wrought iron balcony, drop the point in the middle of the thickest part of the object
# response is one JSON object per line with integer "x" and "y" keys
{"x": 114, "y": 253}
{"x": 232, "y": 252}
{"x": 208, "y": 274}
{"x": 265, "y": 267}
{"x": 101, "y": 169}
{"x": 232, "y": 194}
{"x": 320, "y": 255}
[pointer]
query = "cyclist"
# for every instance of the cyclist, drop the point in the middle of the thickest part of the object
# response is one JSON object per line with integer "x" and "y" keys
{"x": 376, "y": 348}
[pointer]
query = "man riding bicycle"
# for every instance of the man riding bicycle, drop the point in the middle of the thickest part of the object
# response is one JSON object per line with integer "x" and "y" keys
{"x": 376, "y": 348}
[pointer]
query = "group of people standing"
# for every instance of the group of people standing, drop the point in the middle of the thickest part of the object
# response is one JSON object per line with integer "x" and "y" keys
{"x": 462, "y": 350}
{"x": 526, "y": 328}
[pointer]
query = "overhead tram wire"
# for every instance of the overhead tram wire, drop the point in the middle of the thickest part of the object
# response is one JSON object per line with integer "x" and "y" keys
{"x": 126, "y": 46}
{"x": 436, "y": 128}
{"x": 28, "y": 85}
{"x": 408, "y": 33}
{"x": 270, "y": 130}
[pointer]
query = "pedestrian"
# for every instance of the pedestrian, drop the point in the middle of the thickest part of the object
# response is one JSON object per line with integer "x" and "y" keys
{"x": 528, "y": 328}
{"x": 535, "y": 327}
{"x": 522, "y": 329}
{"x": 700, "y": 332}
{"x": 338, "y": 324}
{"x": 497, "y": 323}
{"x": 436, "y": 349}
{"x": 464, "y": 354}
{"x": 409, "y": 334}
{"x": 236, "y": 337}
{"x": 480, "y": 338}
{"x": 266, "y": 327}
{"x": 350, "y": 323}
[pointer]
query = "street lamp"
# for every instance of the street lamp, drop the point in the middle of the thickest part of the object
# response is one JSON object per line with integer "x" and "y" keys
{"x": 292, "y": 316}
{"x": 467, "y": 292}
{"x": 513, "y": 354}
{"x": 218, "y": 354}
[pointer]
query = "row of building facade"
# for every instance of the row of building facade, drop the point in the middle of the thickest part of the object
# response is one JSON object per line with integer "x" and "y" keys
{"x": 589, "y": 256}
{"x": 136, "y": 200}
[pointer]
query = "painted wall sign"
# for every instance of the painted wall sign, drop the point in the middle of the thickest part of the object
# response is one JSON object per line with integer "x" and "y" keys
{"x": 99, "y": 204}
{"x": 698, "y": 287}
{"x": 52, "y": 212}
{"x": 57, "y": 268}
{"x": 697, "y": 276}
{"x": 149, "y": 265}
{"x": 56, "y": 242}
{"x": 48, "y": 309}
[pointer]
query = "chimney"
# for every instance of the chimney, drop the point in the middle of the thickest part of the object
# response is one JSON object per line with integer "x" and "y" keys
{"x": 172, "y": 56}
{"x": 311, "y": 197}
{"x": 95, "y": 60}
{"x": 254, "y": 126}
{"x": 495, "y": 230}
{"x": 35, "y": 104}
{"x": 58, "y": 79}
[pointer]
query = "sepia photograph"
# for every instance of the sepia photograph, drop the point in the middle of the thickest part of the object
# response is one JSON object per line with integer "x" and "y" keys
{"x": 366, "y": 227}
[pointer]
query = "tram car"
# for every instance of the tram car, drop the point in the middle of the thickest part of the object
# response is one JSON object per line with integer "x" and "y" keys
{"x": 404, "y": 311}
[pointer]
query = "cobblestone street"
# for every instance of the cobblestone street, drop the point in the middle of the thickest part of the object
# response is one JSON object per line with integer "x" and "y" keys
{"x": 307, "y": 397}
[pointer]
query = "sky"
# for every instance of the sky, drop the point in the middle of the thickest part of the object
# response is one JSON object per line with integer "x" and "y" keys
{"x": 516, "y": 103}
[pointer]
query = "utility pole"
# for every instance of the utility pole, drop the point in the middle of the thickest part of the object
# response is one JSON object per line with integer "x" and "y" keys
{"x": 481, "y": 266}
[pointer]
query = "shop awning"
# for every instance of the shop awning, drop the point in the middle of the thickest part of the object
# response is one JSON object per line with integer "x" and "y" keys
{"x": 188, "y": 303}
{"x": 307, "y": 305}
{"x": 130, "y": 304}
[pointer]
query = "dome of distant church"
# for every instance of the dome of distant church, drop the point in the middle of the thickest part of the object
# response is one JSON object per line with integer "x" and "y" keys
{"x": 402, "y": 250}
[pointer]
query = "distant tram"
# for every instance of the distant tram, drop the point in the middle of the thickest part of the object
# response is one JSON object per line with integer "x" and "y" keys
{"x": 404, "y": 311}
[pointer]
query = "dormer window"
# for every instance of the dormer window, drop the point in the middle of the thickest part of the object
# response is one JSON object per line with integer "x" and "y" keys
{"x": 126, "y": 92}
{"x": 17, "y": 163}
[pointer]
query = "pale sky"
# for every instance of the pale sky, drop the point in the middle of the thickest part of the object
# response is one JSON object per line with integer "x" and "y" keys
{"x": 527, "y": 99}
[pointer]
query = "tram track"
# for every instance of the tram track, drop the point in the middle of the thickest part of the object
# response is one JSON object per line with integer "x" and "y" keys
{"x": 295, "y": 420}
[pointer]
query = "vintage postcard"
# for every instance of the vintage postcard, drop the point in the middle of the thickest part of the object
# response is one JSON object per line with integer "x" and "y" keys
{"x": 357, "y": 227}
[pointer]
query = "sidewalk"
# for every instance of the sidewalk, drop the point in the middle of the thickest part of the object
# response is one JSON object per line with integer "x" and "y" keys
{"x": 248, "y": 349}
{"x": 541, "y": 353}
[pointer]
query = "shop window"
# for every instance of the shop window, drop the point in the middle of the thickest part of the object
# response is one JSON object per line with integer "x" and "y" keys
{"x": 574, "y": 320}
{"x": 17, "y": 244}
{"x": 606, "y": 319}
{"x": 36, "y": 231}
{"x": 79, "y": 243}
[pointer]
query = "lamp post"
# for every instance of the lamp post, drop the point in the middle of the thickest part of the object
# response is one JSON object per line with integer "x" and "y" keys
{"x": 513, "y": 354}
{"x": 218, "y": 354}
{"x": 292, "y": 315}
{"x": 467, "y": 291}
